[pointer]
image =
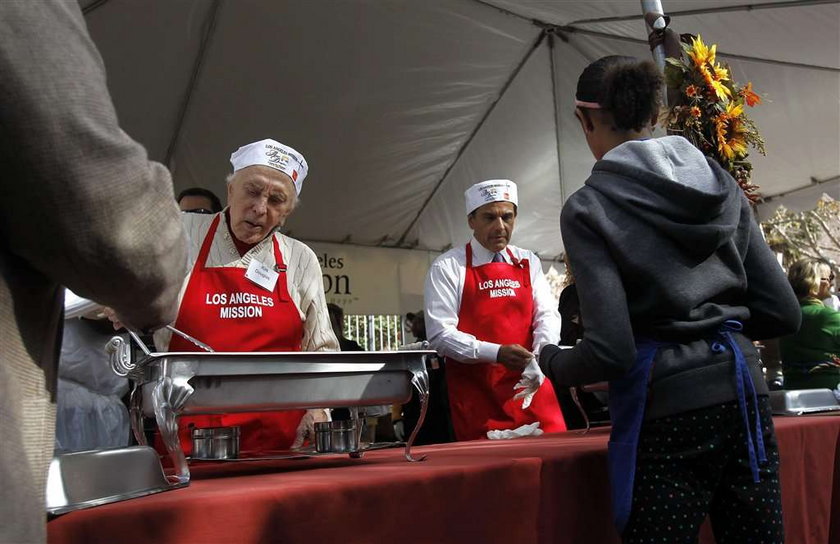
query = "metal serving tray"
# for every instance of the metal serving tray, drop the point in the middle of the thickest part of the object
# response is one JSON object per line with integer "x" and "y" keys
{"x": 802, "y": 401}
{"x": 167, "y": 385}
{"x": 90, "y": 478}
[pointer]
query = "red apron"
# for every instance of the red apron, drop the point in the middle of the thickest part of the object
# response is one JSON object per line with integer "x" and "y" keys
{"x": 497, "y": 306}
{"x": 277, "y": 326}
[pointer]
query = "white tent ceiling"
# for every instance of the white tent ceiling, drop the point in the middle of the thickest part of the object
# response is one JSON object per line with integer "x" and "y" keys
{"x": 400, "y": 105}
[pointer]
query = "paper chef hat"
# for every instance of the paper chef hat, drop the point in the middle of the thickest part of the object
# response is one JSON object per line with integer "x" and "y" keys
{"x": 275, "y": 155}
{"x": 492, "y": 190}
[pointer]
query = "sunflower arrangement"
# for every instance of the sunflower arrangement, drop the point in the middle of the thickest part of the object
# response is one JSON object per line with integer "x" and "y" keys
{"x": 709, "y": 110}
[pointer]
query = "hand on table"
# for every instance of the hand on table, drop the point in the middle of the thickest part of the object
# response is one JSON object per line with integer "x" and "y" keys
{"x": 306, "y": 428}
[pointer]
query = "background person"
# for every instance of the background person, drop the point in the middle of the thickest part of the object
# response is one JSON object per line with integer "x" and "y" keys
{"x": 832, "y": 300}
{"x": 806, "y": 354}
{"x": 337, "y": 322}
{"x": 90, "y": 412}
{"x": 668, "y": 259}
{"x": 571, "y": 331}
{"x": 82, "y": 206}
{"x": 488, "y": 308}
{"x": 568, "y": 306}
{"x": 199, "y": 200}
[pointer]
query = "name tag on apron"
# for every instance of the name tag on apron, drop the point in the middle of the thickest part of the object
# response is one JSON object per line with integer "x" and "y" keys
{"x": 262, "y": 275}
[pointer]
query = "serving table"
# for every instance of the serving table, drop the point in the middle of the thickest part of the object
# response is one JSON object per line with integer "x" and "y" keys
{"x": 551, "y": 489}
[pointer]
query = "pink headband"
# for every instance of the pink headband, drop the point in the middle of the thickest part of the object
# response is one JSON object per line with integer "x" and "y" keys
{"x": 590, "y": 105}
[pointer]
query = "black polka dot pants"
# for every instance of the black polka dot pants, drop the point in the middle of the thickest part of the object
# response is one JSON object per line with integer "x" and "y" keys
{"x": 696, "y": 463}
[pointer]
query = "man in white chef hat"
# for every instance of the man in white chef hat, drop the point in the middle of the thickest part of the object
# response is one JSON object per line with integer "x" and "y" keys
{"x": 251, "y": 288}
{"x": 489, "y": 310}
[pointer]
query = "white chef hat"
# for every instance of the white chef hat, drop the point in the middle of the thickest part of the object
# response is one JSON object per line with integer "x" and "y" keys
{"x": 492, "y": 190}
{"x": 275, "y": 155}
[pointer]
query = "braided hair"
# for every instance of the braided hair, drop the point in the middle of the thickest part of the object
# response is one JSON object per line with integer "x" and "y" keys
{"x": 626, "y": 87}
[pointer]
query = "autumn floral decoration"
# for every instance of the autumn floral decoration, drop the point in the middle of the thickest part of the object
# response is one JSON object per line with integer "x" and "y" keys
{"x": 709, "y": 111}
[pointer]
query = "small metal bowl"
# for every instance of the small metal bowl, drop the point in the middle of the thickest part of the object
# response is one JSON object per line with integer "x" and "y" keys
{"x": 215, "y": 443}
{"x": 336, "y": 437}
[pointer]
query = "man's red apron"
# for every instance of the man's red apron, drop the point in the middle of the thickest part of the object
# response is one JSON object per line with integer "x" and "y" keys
{"x": 276, "y": 327}
{"x": 497, "y": 306}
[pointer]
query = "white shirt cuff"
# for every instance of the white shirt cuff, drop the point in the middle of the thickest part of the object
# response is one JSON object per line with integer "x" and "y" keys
{"x": 488, "y": 351}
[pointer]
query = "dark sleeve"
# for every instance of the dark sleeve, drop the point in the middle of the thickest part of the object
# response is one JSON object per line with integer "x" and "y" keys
{"x": 608, "y": 349}
{"x": 571, "y": 324}
{"x": 774, "y": 309}
{"x": 81, "y": 202}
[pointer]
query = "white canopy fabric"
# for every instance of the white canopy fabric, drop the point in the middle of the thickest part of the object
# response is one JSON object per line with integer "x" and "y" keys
{"x": 399, "y": 105}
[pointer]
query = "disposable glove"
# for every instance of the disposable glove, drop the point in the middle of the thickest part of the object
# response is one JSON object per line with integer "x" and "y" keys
{"x": 529, "y": 383}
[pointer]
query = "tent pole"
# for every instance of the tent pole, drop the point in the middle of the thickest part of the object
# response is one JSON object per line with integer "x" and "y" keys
{"x": 655, "y": 6}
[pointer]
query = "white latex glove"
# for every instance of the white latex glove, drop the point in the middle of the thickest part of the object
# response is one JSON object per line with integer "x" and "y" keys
{"x": 528, "y": 384}
{"x": 399, "y": 430}
{"x": 306, "y": 427}
{"x": 532, "y": 429}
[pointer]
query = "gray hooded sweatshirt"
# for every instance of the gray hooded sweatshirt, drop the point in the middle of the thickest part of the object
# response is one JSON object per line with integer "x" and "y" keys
{"x": 663, "y": 246}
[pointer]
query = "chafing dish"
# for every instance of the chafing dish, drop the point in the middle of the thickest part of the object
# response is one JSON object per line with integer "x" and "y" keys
{"x": 796, "y": 402}
{"x": 167, "y": 385}
{"x": 90, "y": 478}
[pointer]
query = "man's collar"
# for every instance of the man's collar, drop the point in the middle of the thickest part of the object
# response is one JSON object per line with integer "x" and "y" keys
{"x": 481, "y": 253}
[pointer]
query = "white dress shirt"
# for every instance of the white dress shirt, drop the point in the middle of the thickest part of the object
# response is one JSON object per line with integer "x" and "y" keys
{"x": 303, "y": 277}
{"x": 443, "y": 291}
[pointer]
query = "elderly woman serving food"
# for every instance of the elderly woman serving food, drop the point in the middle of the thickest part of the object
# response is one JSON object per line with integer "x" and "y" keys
{"x": 252, "y": 288}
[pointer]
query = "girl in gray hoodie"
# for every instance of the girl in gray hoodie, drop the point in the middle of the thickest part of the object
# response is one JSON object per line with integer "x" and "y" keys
{"x": 675, "y": 282}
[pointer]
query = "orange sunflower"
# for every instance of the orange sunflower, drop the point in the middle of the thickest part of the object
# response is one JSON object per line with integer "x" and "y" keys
{"x": 691, "y": 91}
{"x": 715, "y": 87}
{"x": 721, "y": 73}
{"x": 731, "y": 132}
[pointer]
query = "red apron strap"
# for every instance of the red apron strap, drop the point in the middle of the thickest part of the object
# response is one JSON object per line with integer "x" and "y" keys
{"x": 280, "y": 266}
{"x": 469, "y": 256}
{"x": 201, "y": 260}
{"x": 513, "y": 259}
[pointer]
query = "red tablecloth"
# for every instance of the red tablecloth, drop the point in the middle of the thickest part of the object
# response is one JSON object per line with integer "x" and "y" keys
{"x": 550, "y": 489}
